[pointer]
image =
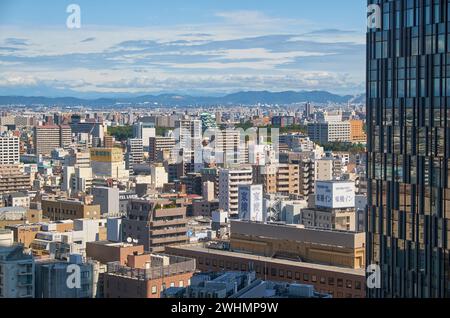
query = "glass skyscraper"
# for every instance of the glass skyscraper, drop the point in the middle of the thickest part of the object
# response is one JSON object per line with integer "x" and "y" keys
{"x": 408, "y": 118}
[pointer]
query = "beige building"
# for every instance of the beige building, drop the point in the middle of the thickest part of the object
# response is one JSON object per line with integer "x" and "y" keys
{"x": 106, "y": 252}
{"x": 147, "y": 276}
{"x": 336, "y": 219}
{"x": 278, "y": 178}
{"x": 57, "y": 210}
{"x": 328, "y": 169}
{"x": 158, "y": 146}
{"x": 337, "y": 281}
{"x": 327, "y": 247}
{"x": 108, "y": 163}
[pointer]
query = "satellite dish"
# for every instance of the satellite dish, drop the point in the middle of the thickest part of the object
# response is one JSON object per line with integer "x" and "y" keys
{"x": 129, "y": 240}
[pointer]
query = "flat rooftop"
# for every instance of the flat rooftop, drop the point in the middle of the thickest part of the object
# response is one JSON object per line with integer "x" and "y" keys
{"x": 345, "y": 239}
{"x": 199, "y": 248}
{"x": 112, "y": 244}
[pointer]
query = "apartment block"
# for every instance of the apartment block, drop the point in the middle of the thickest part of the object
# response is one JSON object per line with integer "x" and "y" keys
{"x": 156, "y": 224}
{"x": 13, "y": 179}
{"x": 278, "y": 178}
{"x": 9, "y": 150}
{"x": 158, "y": 146}
{"x": 229, "y": 182}
{"x": 312, "y": 245}
{"x": 16, "y": 272}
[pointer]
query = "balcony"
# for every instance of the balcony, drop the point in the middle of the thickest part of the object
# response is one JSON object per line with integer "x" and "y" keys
{"x": 170, "y": 239}
{"x": 163, "y": 223}
{"x": 168, "y": 231}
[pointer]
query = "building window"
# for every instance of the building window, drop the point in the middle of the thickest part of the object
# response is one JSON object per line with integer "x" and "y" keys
{"x": 281, "y": 272}
{"x": 323, "y": 280}
{"x": 314, "y": 278}
{"x": 289, "y": 274}
{"x": 331, "y": 281}
{"x": 180, "y": 283}
{"x": 305, "y": 277}
{"x": 358, "y": 285}
{"x": 340, "y": 282}
{"x": 348, "y": 284}
{"x": 273, "y": 272}
{"x": 297, "y": 275}
{"x": 154, "y": 290}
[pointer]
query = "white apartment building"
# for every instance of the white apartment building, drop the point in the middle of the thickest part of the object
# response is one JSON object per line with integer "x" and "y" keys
{"x": 135, "y": 153}
{"x": 9, "y": 150}
{"x": 229, "y": 148}
{"x": 229, "y": 182}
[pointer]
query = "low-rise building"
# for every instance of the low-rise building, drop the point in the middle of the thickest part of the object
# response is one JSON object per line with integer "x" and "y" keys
{"x": 338, "y": 282}
{"x": 69, "y": 210}
{"x": 151, "y": 275}
{"x": 16, "y": 272}
{"x": 107, "y": 252}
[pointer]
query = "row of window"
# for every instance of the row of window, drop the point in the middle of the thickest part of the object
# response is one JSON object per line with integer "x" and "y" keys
{"x": 281, "y": 273}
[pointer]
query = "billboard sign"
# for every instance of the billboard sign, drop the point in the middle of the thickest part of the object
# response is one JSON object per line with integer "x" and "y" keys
{"x": 335, "y": 194}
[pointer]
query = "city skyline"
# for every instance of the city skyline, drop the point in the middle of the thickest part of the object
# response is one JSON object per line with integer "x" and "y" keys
{"x": 202, "y": 49}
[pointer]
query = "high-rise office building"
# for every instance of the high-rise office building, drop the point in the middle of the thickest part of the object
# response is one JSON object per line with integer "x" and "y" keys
{"x": 408, "y": 89}
{"x": 229, "y": 182}
{"x": 49, "y": 137}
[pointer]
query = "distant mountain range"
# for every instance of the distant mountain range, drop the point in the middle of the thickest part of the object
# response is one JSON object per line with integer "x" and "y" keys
{"x": 240, "y": 98}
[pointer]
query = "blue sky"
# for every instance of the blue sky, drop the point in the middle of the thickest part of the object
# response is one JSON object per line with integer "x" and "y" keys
{"x": 194, "y": 47}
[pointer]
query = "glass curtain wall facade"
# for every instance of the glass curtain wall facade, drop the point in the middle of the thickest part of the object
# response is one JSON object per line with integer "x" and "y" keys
{"x": 408, "y": 118}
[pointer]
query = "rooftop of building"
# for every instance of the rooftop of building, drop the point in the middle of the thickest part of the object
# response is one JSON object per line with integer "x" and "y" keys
{"x": 161, "y": 265}
{"x": 201, "y": 248}
{"x": 112, "y": 244}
